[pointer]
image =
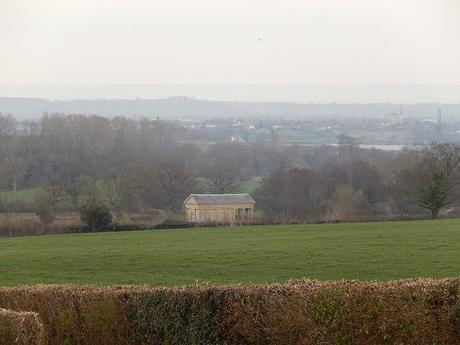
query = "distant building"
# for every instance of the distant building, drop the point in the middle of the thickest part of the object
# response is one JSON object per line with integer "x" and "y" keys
{"x": 395, "y": 118}
{"x": 392, "y": 119}
{"x": 237, "y": 139}
{"x": 439, "y": 126}
{"x": 219, "y": 208}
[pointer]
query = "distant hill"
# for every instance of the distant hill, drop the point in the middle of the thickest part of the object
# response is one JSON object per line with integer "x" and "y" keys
{"x": 189, "y": 108}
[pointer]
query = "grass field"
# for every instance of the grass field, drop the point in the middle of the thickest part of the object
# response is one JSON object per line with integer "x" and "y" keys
{"x": 390, "y": 250}
{"x": 24, "y": 195}
{"x": 246, "y": 186}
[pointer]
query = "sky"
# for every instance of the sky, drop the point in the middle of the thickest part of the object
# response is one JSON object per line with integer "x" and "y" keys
{"x": 230, "y": 49}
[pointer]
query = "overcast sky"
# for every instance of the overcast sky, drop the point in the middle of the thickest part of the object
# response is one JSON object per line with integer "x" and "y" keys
{"x": 238, "y": 42}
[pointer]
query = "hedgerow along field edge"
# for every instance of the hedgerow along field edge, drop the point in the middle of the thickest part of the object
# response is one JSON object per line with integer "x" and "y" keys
{"x": 226, "y": 255}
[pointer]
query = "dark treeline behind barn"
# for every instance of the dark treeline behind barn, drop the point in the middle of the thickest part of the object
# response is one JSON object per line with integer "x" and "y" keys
{"x": 144, "y": 169}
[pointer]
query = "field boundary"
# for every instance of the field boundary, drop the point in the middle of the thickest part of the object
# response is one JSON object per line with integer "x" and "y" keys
{"x": 307, "y": 312}
{"x": 20, "y": 328}
{"x": 10, "y": 232}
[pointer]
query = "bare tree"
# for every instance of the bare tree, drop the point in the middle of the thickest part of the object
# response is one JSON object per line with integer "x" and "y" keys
{"x": 432, "y": 179}
{"x": 290, "y": 196}
{"x": 173, "y": 183}
{"x": 345, "y": 204}
{"x": 223, "y": 177}
{"x": 348, "y": 147}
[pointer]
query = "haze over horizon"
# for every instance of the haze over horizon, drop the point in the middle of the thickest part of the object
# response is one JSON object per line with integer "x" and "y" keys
{"x": 365, "y": 94}
{"x": 272, "y": 50}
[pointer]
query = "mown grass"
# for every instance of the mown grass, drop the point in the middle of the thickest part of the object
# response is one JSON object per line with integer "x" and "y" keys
{"x": 365, "y": 251}
{"x": 251, "y": 185}
{"x": 24, "y": 195}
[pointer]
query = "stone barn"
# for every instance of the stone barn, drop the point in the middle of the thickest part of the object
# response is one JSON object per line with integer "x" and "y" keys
{"x": 219, "y": 208}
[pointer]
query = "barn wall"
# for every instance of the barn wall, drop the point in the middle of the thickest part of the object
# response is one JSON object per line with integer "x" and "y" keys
{"x": 225, "y": 214}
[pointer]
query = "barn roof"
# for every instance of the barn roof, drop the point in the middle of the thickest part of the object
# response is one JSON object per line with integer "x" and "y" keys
{"x": 221, "y": 198}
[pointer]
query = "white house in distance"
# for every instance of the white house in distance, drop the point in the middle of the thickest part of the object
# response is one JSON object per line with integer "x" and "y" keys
{"x": 219, "y": 208}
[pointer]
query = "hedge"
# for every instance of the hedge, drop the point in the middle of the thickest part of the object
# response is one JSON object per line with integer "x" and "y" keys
{"x": 421, "y": 311}
{"x": 20, "y": 328}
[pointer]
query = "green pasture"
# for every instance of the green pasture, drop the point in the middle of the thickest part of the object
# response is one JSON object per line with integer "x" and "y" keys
{"x": 28, "y": 195}
{"x": 390, "y": 250}
{"x": 246, "y": 186}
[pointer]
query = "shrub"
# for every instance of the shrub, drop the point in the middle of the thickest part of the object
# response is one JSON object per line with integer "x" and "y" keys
{"x": 96, "y": 216}
{"x": 305, "y": 312}
{"x": 20, "y": 328}
{"x": 45, "y": 216}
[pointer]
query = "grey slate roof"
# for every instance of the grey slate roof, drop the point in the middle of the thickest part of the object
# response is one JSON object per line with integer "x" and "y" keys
{"x": 222, "y": 198}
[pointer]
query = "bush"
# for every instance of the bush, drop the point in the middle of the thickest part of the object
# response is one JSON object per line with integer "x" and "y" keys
{"x": 45, "y": 216}
{"x": 96, "y": 216}
{"x": 302, "y": 312}
{"x": 20, "y": 328}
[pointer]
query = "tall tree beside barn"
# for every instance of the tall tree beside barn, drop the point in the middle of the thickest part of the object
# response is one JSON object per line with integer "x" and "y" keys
{"x": 223, "y": 177}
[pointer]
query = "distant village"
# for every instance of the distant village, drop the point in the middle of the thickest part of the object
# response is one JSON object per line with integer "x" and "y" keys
{"x": 390, "y": 131}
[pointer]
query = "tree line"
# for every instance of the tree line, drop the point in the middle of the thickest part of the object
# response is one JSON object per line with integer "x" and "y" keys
{"x": 136, "y": 165}
{"x": 413, "y": 183}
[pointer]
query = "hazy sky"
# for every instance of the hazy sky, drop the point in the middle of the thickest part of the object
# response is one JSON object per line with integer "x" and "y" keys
{"x": 263, "y": 42}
